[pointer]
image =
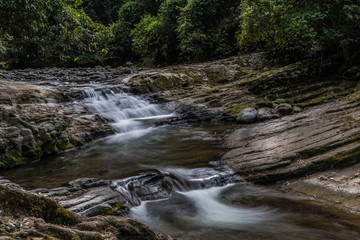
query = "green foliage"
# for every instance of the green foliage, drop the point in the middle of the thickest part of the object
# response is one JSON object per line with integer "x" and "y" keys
{"x": 37, "y": 33}
{"x": 104, "y": 11}
{"x": 129, "y": 15}
{"x": 308, "y": 27}
{"x": 44, "y": 32}
{"x": 155, "y": 37}
{"x": 207, "y": 29}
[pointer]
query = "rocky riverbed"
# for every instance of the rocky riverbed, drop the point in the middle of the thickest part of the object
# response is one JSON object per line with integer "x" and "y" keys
{"x": 299, "y": 130}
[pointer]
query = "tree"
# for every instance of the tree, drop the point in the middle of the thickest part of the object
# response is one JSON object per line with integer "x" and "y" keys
{"x": 207, "y": 29}
{"x": 307, "y": 27}
{"x": 130, "y": 14}
{"x": 44, "y": 32}
{"x": 155, "y": 37}
{"x": 103, "y": 11}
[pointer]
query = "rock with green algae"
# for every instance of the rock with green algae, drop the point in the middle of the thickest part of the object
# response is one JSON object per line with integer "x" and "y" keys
{"x": 36, "y": 121}
{"x": 27, "y": 216}
{"x": 227, "y": 86}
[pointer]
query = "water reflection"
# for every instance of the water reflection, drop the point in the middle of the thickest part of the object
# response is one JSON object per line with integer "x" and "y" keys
{"x": 116, "y": 157}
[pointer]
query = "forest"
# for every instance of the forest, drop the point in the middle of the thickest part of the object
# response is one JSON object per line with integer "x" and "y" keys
{"x": 72, "y": 33}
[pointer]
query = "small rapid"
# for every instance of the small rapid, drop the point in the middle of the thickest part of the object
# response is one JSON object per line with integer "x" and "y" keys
{"x": 127, "y": 113}
{"x": 162, "y": 183}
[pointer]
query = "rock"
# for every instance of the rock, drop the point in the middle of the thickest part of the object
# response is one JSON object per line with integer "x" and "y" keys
{"x": 247, "y": 115}
{"x": 266, "y": 113}
{"x": 94, "y": 201}
{"x": 279, "y": 101}
{"x": 321, "y": 138}
{"x": 43, "y": 217}
{"x": 337, "y": 188}
{"x": 264, "y": 104}
{"x": 297, "y": 109}
{"x": 146, "y": 186}
{"x": 284, "y": 109}
{"x": 36, "y": 126}
{"x": 86, "y": 183}
{"x": 12, "y": 132}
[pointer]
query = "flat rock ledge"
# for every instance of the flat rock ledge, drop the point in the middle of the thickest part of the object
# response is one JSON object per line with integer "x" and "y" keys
{"x": 94, "y": 196}
{"x": 319, "y": 139}
{"x": 337, "y": 188}
{"x": 25, "y": 215}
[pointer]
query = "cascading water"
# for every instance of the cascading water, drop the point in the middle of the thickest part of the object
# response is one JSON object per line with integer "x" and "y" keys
{"x": 167, "y": 180}
{"x": 127, "y": 113}
{"x": 200, "y": 185}
{"x": 160, "y": 184}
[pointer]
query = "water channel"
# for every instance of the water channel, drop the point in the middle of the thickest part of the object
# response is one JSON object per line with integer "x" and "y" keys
{"x": 227, "y": 210}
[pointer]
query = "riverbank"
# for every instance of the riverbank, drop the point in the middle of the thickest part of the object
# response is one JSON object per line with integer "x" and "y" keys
{"x": 302, "y": 136}
{"x": 295, "y": 120}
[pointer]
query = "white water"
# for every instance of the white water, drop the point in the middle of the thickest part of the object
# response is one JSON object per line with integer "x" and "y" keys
{"x": 127, "y": 113}
{"x": 214, "y": 213}
{"x": 209, "y": 211}
{"x": 199, "y": 187}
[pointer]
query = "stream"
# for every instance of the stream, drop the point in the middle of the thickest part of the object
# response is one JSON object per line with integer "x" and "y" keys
{"x": 207, "y": 202}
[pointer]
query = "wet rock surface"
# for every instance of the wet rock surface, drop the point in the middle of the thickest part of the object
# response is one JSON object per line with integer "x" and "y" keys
{"x": 336, "y": 188}
{"x": 93, "y": 196}
{"x": 27, "y": 216}
{"x": 317, "y": 139}
{"x": 321, "y": 140}
{"x": 36, "y": 121}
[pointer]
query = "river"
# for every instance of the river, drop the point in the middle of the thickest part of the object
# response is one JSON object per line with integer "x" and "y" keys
{"x": 201, "y": 206}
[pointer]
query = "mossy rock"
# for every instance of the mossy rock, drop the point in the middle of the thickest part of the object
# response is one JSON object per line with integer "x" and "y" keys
{"x": 19, "y": 203}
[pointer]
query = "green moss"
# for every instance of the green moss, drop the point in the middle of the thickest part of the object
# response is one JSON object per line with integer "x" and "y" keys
{"x": 110, "y": 211}
{"x": 50, "y": 149}
{"x": 317, "y": 100}
{"x": 62, "y": 233}
{"x": 235, "y": 110}
{"x": 19, "y": 203}
{"x": 36, "y": 116}
{"x": 338, "y": 161}
{"x": 35, "y": 152}
{"x": 16, "y": 156}
{"x": 65, "y": 144}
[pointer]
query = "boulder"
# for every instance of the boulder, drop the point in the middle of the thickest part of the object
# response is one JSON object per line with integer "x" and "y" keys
{"x": 266, "y": 113}
{"x": 247, "y": 115}
{"x": 284, "y": 109}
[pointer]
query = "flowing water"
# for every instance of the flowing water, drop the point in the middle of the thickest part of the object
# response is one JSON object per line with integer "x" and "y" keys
{"x": 206, "y": 202}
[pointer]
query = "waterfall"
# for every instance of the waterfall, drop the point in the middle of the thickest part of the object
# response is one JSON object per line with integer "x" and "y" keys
{"x": 127, "y": 113}
{"x": 162, "y": 183}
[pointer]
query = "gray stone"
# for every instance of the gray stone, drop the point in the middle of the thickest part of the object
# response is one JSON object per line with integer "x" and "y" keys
{"x": 279, "y": 101}
{"x": 93, "y": 200}
{"x": 293, "y": 146}
{"x": 12, "y": 132}
{"x": 284, "y": 109}
{"x": 28, "y": 136}
{"x": 266, "y": 113}
{"x": 297, "y": 109}
{"x": 247, "y": 115}
{"x": 89, "y": 183}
